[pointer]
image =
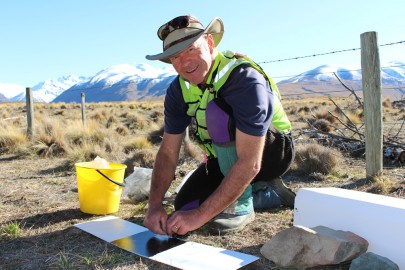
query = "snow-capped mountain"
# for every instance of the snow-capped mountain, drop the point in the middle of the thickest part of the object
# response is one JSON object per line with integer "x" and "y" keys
{"x": 392, "y": 73}
{"x": 322, "y": 81}
{"x": 121, "y": 82}
{"x": 48, "y": 90}
{"x": 325, "y": 73}
{"x": 124, "y": 73}
{"x": 142, "y": 81}
{"x": 3, "y": 98}
{"x": 11, "y": 90}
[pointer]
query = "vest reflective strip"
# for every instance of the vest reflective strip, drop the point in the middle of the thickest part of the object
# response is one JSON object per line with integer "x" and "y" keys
{"x": 224, "y": 70}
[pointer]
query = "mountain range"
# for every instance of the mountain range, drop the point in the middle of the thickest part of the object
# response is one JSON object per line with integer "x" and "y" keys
{"x": 144, "y": 82}
{"x": 324, "y": 81}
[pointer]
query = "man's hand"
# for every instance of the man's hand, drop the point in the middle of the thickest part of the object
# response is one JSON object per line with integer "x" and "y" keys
{"x": 182, "y": 222}
{"x": 162, "y": 177}
{"x": 156, "y": 220}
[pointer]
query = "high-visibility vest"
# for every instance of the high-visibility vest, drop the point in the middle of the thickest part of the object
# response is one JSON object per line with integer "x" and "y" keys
{"x": 197, "y": 99}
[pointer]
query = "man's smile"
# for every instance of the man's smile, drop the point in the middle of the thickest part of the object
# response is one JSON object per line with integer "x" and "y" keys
{"x": 192, "y": 70}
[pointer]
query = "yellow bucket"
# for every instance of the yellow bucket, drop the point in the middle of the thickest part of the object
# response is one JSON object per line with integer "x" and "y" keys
{"x": 99, "y": 189}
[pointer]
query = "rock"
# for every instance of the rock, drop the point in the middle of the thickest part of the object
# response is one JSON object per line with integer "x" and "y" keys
{"x": 300, "y": 247}
{"x": 372, "y": 261}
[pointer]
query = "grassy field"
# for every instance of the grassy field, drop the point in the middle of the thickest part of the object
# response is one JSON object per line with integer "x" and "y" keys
{"x": 39, "y": 200}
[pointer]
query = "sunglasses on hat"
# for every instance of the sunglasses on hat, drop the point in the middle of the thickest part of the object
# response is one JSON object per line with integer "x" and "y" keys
{"x": 177, "y": 23}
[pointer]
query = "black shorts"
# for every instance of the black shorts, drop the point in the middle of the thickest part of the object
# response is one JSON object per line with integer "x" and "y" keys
{"x": 278, "y": 155}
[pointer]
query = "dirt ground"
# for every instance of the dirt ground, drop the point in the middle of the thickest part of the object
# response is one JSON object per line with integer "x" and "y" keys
{"x": 40, "y": 197}
{"x": 43, "y": 199}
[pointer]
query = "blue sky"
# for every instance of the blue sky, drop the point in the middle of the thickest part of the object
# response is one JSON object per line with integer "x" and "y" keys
{"x": 43, "y": 40}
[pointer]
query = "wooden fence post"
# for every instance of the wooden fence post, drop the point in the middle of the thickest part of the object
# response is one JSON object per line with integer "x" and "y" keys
{"x": 371, "y": 77}
{"x": 30, "y": 112}
{"x": 83, "y": 110}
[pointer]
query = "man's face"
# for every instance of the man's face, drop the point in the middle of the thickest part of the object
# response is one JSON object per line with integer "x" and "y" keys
{"x": 194, "y": 62}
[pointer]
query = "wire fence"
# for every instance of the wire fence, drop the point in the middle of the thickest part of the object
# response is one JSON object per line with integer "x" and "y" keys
{"x": 169, "y": 78}
{"x": 327, "y": 53}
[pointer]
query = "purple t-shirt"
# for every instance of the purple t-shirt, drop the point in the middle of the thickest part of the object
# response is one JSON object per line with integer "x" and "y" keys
{"x": 246, "y": 91}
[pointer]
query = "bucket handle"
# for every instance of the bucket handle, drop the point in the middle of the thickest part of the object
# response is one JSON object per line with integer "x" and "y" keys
{"x": 109, "y": 179}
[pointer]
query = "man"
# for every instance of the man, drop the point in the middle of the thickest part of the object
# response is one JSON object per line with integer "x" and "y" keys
{"x": 241, "y": 127}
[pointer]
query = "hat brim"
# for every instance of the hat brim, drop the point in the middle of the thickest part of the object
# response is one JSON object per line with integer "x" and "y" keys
{"x": 215, "y": 28}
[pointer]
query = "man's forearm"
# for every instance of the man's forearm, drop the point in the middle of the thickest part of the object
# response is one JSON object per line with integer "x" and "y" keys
{"x": 164, "y": 168}
{"x": 162, "y": 177}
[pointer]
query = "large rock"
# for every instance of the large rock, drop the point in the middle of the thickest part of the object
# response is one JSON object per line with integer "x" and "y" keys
{"x": 300, "y": 247}
{"x": 372, "y": 261}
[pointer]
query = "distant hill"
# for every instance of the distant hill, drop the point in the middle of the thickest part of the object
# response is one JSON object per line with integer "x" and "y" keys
{"x": 10, "y": 90}
{"x": 321, "y": 81}
{"x": 144, "y": 82}
{"x": 47, "y": 91}
{"x": 120, "y": 83}
{"x": 3, "y": 98}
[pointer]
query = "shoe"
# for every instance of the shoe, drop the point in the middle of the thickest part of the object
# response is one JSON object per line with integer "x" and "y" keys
{"x": 286, "y": 195}
{"x": 265, "y": 198}
{"x": 228, "y": 223}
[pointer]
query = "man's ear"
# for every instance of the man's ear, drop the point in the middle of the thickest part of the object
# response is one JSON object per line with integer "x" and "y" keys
{"x": 210, "y": 41}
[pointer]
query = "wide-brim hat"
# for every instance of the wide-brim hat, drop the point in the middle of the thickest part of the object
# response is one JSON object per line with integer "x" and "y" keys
{"x": 180, "y": 37}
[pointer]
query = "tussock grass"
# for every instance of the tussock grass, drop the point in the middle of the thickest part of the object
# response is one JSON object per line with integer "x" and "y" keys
{"x": 5, "y": 114}
{"x": 354, "y": 117}
{"x": 137, "y": 143}
{"x": 111, "y": 121}
{"x": 157, "y": 116}
{"x": 156, "y": 135}
{"x": 140, "y": 158}
{"x": 387, "y": 103}
{"x": 381, "y": 185}
{"x": 97, "y": 116}
{"x": 49, "y": 140}
{"x": 112, "y": 146}
{"x": 322, "y": 125}
{"x": 314, "y": 158}
{"x": 325, "y": 115}
{"x": 11, "y": 138}
{"x": 122, "y": 130}
{"x": 135, "y": 121}
{"x": 109, "y": 132}
{"x": 86, "y": 152}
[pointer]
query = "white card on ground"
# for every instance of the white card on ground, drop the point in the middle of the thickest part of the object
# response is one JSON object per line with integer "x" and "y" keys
{"x": 162, "y": 248}
{"x": 195, "y": 256}
{"x": 147, "y": 243}
{"x": 110, "y": 228}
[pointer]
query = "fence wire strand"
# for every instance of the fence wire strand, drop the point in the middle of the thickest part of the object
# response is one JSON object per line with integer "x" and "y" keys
{"x": 263, "y": 62}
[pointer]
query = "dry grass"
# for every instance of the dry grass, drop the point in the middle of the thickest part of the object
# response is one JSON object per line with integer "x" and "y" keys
{"x": 11, "y": 138}
{"x": 39, "y": 200}
{"x": 315, "y": 158}
{"x": 137, "y": 143}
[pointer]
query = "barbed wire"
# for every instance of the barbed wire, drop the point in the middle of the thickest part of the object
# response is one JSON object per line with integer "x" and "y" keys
{"x": 263, "y": 62}
{"x": 326, "y": 53}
